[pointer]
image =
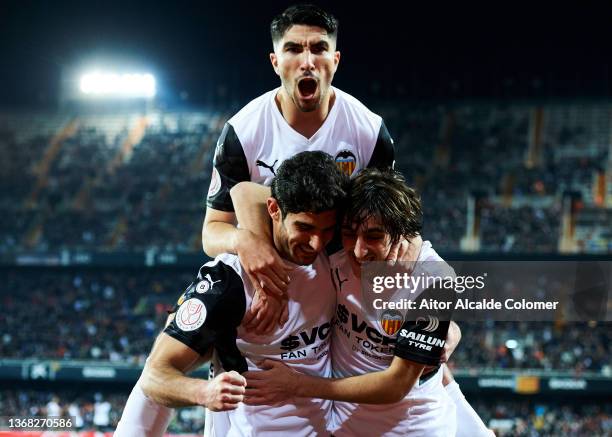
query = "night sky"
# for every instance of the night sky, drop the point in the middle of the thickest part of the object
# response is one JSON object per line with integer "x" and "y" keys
{"x": 442, "y": 52}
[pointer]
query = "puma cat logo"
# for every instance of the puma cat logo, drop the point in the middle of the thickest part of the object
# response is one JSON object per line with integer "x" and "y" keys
{"x": 269, "y": 167}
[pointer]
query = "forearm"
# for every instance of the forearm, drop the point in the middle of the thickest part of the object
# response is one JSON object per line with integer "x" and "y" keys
{"x": 219, "y": 237}
{"x": 384, "y": 387}
{"x": 169, "y": 387}
{"x": 249, "y": 200}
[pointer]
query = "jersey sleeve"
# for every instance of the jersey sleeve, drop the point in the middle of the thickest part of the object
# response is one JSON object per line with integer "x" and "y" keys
{"x": 229, "y": 167}
{"x": 384, "y": 150}
{"x": 210, "y": 310}
{"x": 423, "y": 338}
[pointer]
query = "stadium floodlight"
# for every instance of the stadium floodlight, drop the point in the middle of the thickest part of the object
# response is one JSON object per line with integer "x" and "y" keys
{"x": 125, "y": 85}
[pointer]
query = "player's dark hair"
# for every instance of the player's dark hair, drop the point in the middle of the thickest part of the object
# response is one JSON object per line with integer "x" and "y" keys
{"x": 309, "y": 182}
{"x": 384, "y": 195}
{"x": 306, "y": 14}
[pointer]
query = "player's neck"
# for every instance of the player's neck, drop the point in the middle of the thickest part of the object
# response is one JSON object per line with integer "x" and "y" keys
{"x": 305, "y": 123}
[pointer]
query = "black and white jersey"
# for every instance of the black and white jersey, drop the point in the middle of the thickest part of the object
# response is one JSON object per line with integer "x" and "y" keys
{"x": 361, "y": 345}
{"x": 256, "y": 140}
{"x": 208, "y": 315}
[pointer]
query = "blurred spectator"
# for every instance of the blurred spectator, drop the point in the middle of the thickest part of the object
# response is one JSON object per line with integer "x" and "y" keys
{"x": 100, "y": 193}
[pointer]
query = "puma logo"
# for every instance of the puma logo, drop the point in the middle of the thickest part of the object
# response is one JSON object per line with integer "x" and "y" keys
{"x": 269, "y": 167}
{"x": 340, "y": 281}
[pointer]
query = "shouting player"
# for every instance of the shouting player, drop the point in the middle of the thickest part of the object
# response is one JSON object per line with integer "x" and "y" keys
{"x": 305, "y": 113}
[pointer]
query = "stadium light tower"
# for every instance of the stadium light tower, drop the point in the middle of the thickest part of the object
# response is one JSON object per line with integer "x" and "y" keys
{"x": 118, "y": 85}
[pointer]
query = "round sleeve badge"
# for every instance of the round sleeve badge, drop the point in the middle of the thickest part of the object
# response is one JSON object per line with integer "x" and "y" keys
{"x": 215, "y": 183}
{"x": 191, "y": 315}
{"x": 203, "y": 286}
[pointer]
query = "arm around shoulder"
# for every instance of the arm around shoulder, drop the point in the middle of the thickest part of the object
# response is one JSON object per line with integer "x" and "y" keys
{"x": 219, "y": 232}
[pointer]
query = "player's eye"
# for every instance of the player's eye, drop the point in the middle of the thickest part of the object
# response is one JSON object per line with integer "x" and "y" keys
{"x": 317, "y": 50}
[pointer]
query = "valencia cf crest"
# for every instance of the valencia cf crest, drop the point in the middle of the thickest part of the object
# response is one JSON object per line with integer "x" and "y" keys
{"x": 346, "y": 161}
{"x": 391, "y": 321}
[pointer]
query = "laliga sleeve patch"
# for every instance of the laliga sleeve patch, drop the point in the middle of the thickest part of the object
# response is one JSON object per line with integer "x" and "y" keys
{"x": 215, "y": 183}
{"x": 191, "y": 315}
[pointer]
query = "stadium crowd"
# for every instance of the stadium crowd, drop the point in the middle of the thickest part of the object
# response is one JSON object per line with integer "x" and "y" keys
{"x": 115, "y": 190}
{"x": 508, "y": 418}
{"x": 109, "y": 315}
{"x": 531, "y": 418}
{"x": 115, "y": 315}
{"x": 90, "y": 410}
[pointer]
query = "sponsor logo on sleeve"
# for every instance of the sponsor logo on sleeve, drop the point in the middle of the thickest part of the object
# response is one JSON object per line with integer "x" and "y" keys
{"x": 191, "y": 315}
{"x": 432, "y": 323}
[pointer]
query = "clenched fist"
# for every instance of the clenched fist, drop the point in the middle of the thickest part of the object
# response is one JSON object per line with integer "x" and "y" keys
{"x": 224, "y": 392}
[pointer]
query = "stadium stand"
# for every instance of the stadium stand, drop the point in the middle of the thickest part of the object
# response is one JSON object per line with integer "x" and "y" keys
{"x": 103, "y": 214}
{"x": 106, "y": 175}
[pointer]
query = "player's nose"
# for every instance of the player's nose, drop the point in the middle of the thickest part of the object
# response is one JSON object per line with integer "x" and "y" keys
{"x": 307, "y": 61}
{"x": 360, "y": 249}
{"x": 316, "y": 243}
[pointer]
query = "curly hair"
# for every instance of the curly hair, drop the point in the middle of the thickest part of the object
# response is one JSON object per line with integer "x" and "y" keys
{"x": 309, "y": 182}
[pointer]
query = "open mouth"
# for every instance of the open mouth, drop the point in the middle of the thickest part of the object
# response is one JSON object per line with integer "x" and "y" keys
{"x": 307, "y": 87}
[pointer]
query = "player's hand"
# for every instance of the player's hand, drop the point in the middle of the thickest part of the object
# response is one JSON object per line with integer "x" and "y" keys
{"x": 405, "y": 251}
{"x": 452, "y": 341}
{"x": 265, "y": 313}
{"x": 275, "y": 383}
{"x": 263, "y": 264}
{"x": 224, "y": 392}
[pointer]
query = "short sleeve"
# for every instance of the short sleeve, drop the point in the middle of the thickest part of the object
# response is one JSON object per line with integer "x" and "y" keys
{"x": 229, "y": 167}
{"x": 383, "y": 155}
{"x": 210, "y": 309}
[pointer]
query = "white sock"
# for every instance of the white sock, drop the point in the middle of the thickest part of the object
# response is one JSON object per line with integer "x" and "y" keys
{"x": 142, "y": 417}
{"x": 469, "y": 423}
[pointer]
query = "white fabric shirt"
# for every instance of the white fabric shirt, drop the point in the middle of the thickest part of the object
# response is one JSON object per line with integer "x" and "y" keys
{"x": 303, "y": 344}
{"x": 256, "y": 141}
{"x": 361, "y": 346}
{"x": 265, "y": 135}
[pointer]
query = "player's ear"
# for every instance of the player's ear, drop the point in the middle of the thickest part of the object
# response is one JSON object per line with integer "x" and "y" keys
{"x": 274, "y": 209}
{"x": 274, "y": 62}
{"x": 336, "y": 59}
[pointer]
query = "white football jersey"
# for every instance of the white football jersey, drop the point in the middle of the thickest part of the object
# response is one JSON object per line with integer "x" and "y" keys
{"x": 361, "y": 345}
{"x": 256, "y": 140}
{"x": 209, "y": 314}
